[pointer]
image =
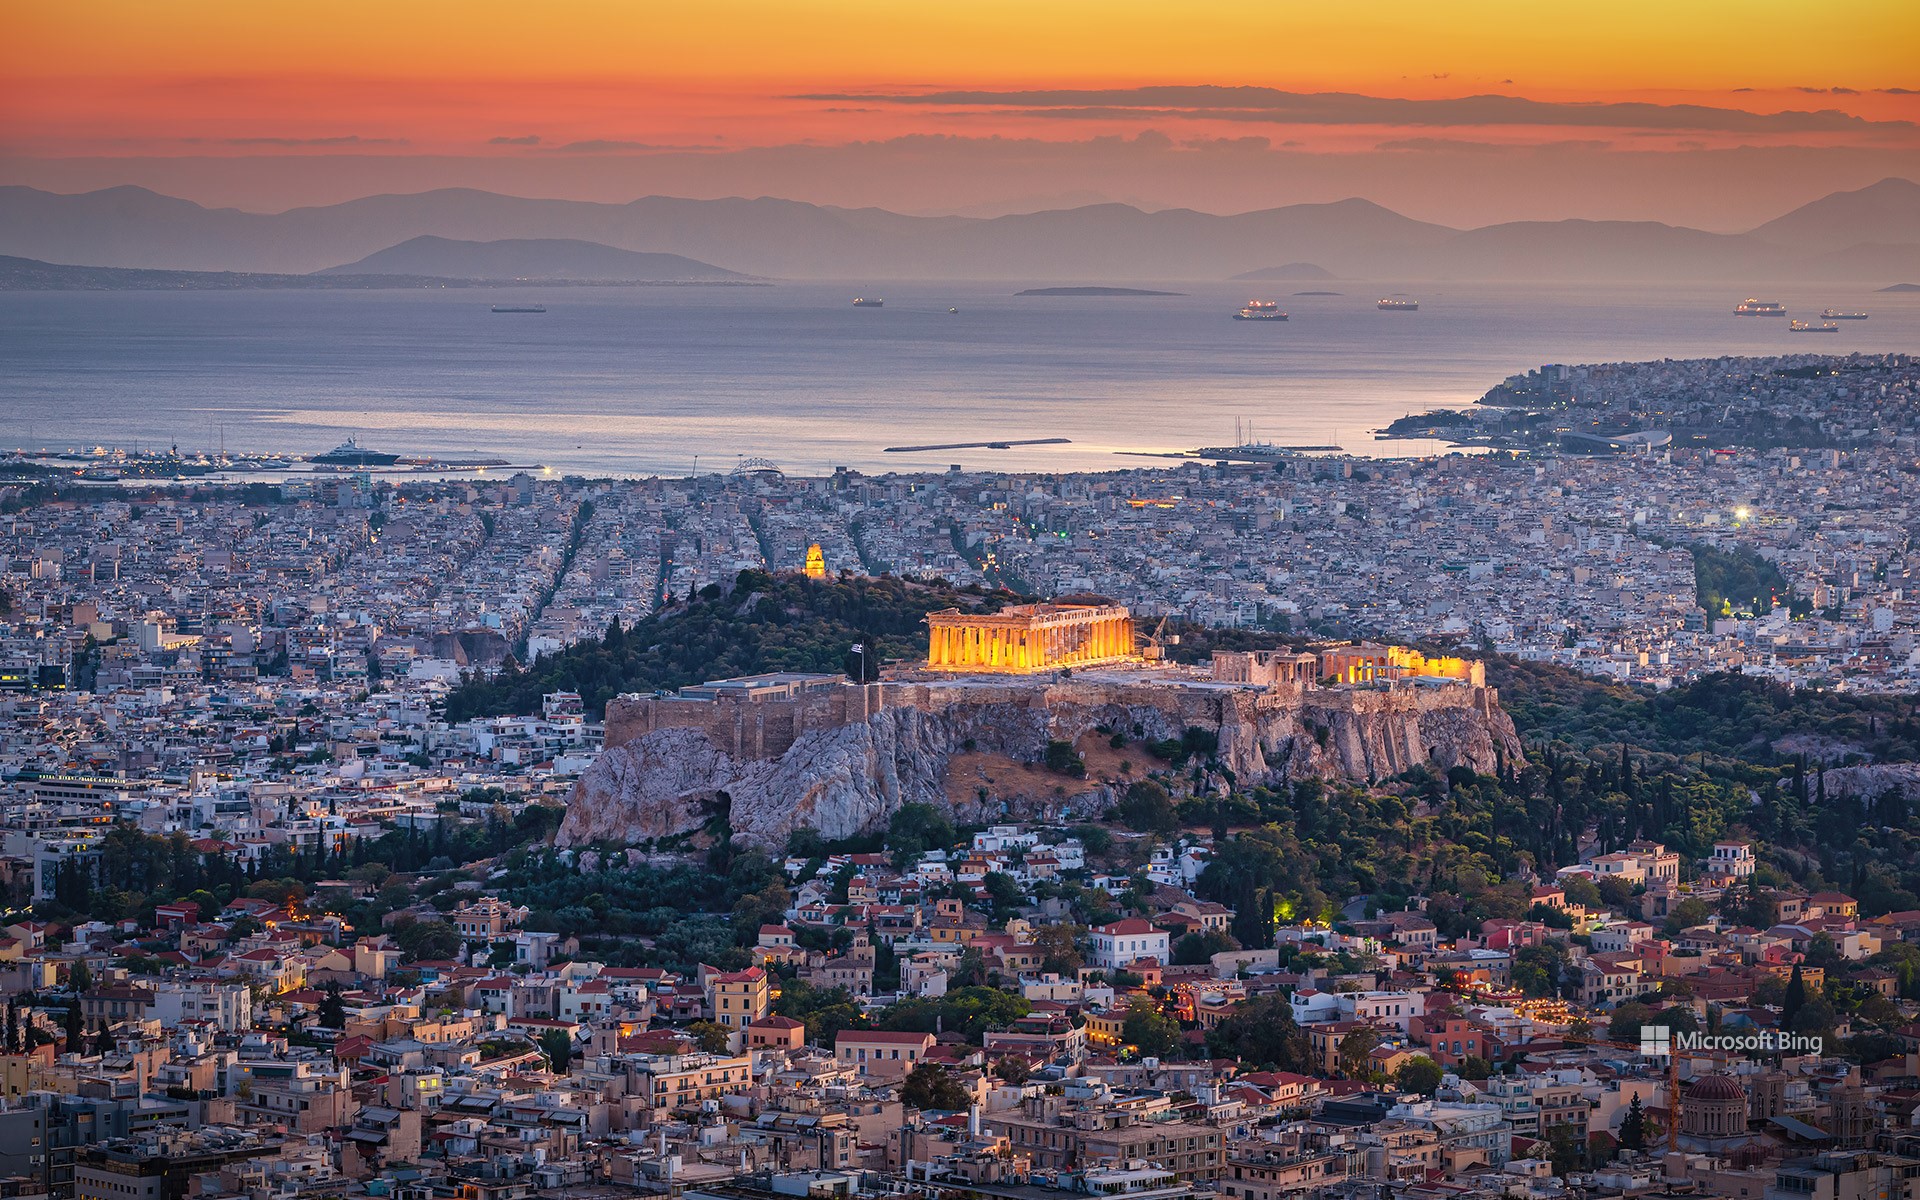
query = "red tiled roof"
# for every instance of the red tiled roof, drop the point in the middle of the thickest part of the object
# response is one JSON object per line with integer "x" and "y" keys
{"x": 883, "y": 1037}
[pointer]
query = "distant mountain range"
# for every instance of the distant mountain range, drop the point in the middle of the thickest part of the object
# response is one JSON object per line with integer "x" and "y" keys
{"x": 1288, "y": 271}
{"x": 1869, "y": 235}
{"x": 530, "y": 258}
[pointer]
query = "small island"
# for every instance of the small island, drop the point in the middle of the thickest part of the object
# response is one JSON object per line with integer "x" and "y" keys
{"x": 1902, "y": 287}
{"x": 1094, "y": 291}
{"x": 1292, "y": 270}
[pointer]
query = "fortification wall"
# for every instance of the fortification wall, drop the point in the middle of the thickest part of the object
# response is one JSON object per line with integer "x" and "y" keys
{"x": 744, "y": 728}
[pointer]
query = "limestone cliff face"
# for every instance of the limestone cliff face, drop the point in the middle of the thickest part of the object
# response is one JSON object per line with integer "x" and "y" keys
{"x": 1868, "y": 783}
{"x": 848, "y": 778}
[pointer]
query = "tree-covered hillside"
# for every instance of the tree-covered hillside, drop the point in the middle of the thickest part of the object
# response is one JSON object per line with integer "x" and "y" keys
{"x": 1732, "y": 716}
{"x": 765, "y": 622}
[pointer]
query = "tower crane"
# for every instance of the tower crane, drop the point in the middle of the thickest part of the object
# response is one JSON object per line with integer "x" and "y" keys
{"x": 1154, "y": 647}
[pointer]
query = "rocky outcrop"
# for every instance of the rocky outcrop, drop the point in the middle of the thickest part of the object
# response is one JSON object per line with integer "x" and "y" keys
{"x": 848, "y": 778}
{"x": 1869, "y": 783}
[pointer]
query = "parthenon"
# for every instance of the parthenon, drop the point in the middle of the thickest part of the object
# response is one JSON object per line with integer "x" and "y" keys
{"x": 1029, "y": 637}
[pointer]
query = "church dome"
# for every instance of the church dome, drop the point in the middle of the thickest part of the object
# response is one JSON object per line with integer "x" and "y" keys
{"x": 1716, "y": 1087}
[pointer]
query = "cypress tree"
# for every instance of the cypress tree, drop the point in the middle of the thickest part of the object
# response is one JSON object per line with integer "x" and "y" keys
{"x": 1796, "y": 998}
{"x": 1633, "y": 1129}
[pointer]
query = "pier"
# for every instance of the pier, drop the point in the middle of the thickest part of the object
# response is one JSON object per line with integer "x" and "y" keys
{"x": 1053, "y": 441}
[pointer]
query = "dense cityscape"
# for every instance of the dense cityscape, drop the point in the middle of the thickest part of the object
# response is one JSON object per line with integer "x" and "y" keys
{"x": 301, "y": 903}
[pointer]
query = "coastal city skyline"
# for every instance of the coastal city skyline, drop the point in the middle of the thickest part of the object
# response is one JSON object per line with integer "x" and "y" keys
{"x": 858, "y": 601}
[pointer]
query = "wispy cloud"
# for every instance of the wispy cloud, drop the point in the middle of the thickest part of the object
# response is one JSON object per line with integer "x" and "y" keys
{"x": 347, "y": 140}
{"x": 618, "y": 146}
{"x": 1467, "y": 146}
{"x": 1216, "y": 102}
{"x": 530, "y": 139}
{"x": 1224, "y": 143}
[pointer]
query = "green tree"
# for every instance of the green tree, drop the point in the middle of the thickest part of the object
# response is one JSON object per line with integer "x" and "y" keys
{"x": 1564, "y": 1150}
{"x": 80, "y": 978}
{"x": 1147, "y": 808}
{"x": 1062, "y": 758}
{"x": 970, "y": 1011}
{"x": 1262, "y": 1033}
{"x": 824, "y": 1011}
{"x": 1795, "y": 999}
{"x": 1149, "y": 1030}
{"x": 711, "y": 1036}
{"x": 1633, "y": 1127}
{"x": 915, "y": 829}
{"x": 930, "y": 1086}
{"x": 431, "y": 940}
{"x": 1354, "y": 1054}
{"x": 1059, "y": 946}
{"x": 768, "y": 906}
{"x": 558, "y": 1047}
{"x": 1538, "y": 970}
{"x": 1200, "y": 947}
{"x": 333, "y": 1010}
{"x": 1418, "y": 1074}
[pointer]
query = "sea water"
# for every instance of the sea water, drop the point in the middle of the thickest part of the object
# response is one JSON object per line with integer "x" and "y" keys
{"x": 647, "y": 380}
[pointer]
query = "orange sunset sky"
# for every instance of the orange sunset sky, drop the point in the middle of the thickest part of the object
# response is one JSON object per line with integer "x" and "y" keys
{"x": 1712, "y": 114}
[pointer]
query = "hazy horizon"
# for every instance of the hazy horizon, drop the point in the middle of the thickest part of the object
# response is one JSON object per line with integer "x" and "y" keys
{"x": 1711, "y": 116}
{"x": 1012, "y": 207}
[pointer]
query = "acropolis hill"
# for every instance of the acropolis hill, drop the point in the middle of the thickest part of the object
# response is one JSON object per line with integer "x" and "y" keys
{"x": 783, "y": 751}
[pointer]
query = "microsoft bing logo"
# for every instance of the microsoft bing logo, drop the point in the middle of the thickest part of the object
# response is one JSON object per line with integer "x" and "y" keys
{"x": 1658, "y": 1041}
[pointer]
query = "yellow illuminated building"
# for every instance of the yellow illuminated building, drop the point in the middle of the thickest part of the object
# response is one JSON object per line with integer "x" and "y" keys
{"x": 1029, "y": 637}
{"x": 816, "y": 567}
{"x": 1366, "y": 663}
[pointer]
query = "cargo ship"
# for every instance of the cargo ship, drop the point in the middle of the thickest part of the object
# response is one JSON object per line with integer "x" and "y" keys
{"x": 519, "y": 308}
{"x": 1810, "y": 327}
{"x": 865, "y": 302}
{"x": 1828, "y": 314}
{"x": 1260, "y": 310}
{"x": 1759, "y": 308}
{"x": 1391, "y": 305}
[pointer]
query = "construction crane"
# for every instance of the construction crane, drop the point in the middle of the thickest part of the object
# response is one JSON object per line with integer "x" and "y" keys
{"x": 1155, "y": 644}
